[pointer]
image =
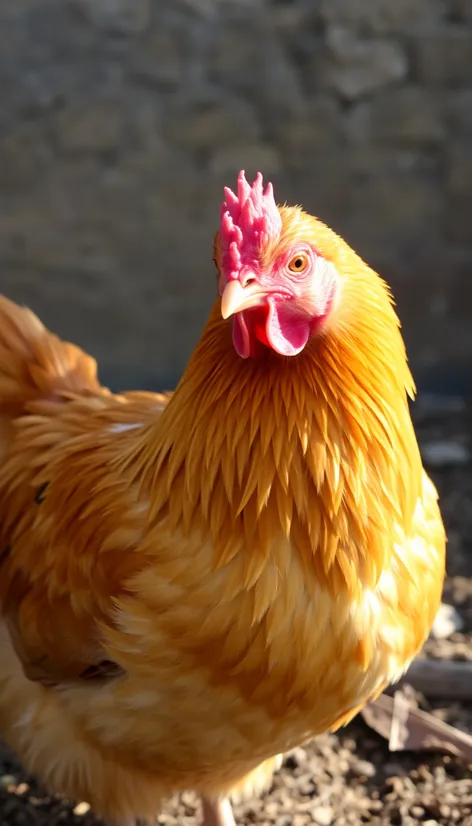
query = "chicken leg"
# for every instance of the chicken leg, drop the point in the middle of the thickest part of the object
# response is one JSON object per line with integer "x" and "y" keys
{"x": 217, "y": 811}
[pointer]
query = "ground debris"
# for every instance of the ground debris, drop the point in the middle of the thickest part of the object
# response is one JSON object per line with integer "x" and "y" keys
{"x": 407, "y": 728}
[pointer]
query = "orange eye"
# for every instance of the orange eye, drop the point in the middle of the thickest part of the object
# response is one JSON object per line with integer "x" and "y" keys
{"x": 298, "y": 263}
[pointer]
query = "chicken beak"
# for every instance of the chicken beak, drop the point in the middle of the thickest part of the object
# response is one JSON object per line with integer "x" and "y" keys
{"x": 236, "y": 298}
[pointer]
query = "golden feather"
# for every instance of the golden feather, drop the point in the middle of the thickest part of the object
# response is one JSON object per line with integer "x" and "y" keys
{"x": 258, "y": 553}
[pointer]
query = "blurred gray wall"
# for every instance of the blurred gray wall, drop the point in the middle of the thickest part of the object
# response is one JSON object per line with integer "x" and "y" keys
{"x": 121, "y": 120}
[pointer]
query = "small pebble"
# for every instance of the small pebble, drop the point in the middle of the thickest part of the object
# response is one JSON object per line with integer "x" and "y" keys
{"x": 284, "y": 820}
{"x": 7, "y": 781}
{"x": 271, "y": 808}
{"x": 323, "y": 815}
{"x": 81, "y": 808}
{"x": 363, "y": 768}
{"x": 417, "y": 811}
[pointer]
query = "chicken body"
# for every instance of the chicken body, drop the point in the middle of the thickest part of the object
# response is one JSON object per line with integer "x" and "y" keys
{"x": 192, "y": 585}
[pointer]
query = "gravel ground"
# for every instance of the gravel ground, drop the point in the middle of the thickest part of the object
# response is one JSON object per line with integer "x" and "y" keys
{"x": 350, "y": 777}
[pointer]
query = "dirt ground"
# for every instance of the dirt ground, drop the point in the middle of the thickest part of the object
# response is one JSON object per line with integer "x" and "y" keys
{"x": 350, "y": 777}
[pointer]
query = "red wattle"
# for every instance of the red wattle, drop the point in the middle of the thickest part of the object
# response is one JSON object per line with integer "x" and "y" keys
{"x": 241, "y": 336}
{"x": 274, "y": 325}
{"x": 287, "y": 332}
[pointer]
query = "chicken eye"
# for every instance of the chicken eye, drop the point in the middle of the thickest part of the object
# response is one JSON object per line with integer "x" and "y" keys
{"x": 298, "y": 263}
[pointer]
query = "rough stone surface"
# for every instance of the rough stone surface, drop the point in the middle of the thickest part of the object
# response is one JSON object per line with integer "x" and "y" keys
{"x": 444, "y": 55}
{"x": 355, "y": 67}
{"x": 459, "y": 112}
{"x": 408, "y": 115}
{"x": 459, "y": 188}
{"x": 466, "y": 9}
{"x": 381, "y": 16}
{"x": 122, "y": 120}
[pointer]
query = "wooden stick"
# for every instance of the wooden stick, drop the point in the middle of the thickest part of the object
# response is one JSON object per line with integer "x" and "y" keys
{"x": 408, "y": 729}
{"x": 440, "y": 679}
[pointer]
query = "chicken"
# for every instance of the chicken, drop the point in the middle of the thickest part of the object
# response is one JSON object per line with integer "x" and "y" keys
{"x": 193, "y": 584}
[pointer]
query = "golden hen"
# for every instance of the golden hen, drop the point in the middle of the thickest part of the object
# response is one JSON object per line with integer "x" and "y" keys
{"x": 192, "y": 585}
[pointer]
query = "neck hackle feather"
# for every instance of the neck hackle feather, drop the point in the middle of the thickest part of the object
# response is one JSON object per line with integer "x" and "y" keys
{"x": 315, "y": 453}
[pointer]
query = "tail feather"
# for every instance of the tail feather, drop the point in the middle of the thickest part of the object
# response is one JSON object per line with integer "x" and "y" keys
{"x": 35, "y": 364}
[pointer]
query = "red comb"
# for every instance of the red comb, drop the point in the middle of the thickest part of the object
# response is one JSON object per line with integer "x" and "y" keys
{"x": 248, "y": 220}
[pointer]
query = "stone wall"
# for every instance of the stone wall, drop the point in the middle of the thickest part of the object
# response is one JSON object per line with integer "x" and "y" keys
{"x": 121, "y": 120}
